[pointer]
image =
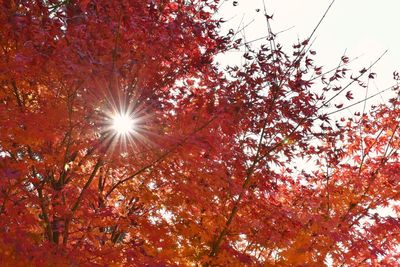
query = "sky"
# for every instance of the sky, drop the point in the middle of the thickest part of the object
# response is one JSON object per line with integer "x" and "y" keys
{"x": 361, "y": 28}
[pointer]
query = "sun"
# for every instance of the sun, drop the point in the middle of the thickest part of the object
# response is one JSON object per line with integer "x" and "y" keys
{"x": 123, "y": 124}
{"x": 125, "y": 127}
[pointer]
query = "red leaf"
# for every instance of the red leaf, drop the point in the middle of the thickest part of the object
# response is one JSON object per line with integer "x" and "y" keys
{"x": 345, "y": 59}
{"x": 349, "y": 95}
{"x": 338, "y": 105}
{"x": 173, "y": 6}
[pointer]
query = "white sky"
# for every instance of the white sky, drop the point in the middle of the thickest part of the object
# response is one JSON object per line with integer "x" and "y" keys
{"x": 363, "y": 28}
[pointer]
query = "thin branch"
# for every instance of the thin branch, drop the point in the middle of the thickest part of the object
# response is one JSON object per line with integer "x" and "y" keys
{"x": 159, "y": 159}
{"x": 87, "y": 184}
{"x": 301, "y": 54}
{"x": 354, "y": 80}
{"x": 362, "y": 101}
{"x": 16, "y": 93}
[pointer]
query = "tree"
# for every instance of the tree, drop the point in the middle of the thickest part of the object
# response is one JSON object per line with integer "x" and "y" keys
{"x": 123, "y": 144}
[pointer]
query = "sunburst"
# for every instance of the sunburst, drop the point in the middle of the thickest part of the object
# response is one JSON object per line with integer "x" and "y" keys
{"x": 123, "y": 124}
{"x": 126, "y": 127}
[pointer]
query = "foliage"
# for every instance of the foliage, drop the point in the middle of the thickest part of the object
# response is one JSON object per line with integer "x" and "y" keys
{"x": 209, "y": 175}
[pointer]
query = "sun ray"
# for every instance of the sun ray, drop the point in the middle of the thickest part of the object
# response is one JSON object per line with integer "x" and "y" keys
{"x": 127, "y": 124}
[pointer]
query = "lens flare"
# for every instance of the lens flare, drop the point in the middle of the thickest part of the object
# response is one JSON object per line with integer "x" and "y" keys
{"x": 123, "y": 124}
{"x": 125, "y": 127}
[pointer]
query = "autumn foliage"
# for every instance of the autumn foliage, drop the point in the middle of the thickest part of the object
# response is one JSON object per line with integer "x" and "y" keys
{"x": 242, "y": 166}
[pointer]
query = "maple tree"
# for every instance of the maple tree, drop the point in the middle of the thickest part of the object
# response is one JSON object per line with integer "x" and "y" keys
{"x": 204, "y": 172}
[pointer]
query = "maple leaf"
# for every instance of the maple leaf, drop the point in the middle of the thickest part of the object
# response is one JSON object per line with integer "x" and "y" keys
{"x": 123, "y": 142}
{"x": 173, "y": 6}
{"x": 349, "y": 95}
{"x": 338, "y": 105}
